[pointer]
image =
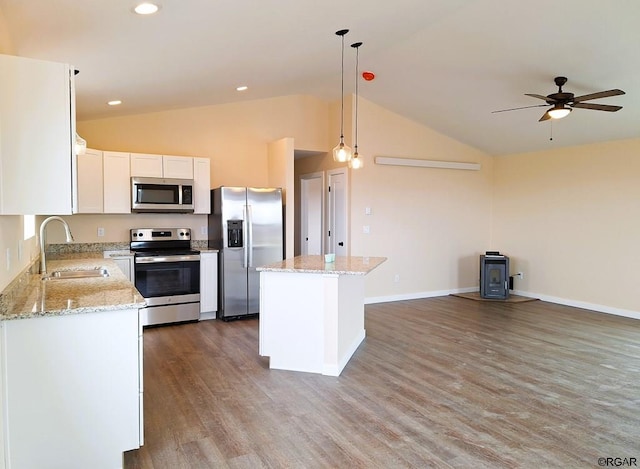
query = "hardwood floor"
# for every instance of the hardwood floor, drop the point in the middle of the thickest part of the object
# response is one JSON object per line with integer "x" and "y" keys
{"x": 441, "y": 382}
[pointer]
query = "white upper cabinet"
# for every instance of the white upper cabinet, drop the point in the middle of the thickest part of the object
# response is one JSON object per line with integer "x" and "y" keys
{"x": 104, "y": 178}
{"x": 180, "y": 167}
{"x": 90, "y": 182}
{"x": 37, "y": 130}
{"x": 202, "y": 185}
{"x": 117, "y": 183}
{"x": 161, "y": 166}
{"x": 146, "y": 165}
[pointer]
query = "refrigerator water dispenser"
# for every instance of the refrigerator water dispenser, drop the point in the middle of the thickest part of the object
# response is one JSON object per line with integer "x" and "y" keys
{"x": 234, "y": 233}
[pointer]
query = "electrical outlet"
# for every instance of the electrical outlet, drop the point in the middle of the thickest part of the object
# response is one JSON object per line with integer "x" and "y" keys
{"x": 203, "y": 230}
{"x": 100, "y": 231}
{"x": 520, "y": 274}
{"x": 367, "y": 211}
{"x": 396, "y": 278}
{"x": 366, "y": 229}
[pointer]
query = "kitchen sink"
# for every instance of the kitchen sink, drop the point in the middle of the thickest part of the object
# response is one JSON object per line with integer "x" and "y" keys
{"x": 83, "y": 273}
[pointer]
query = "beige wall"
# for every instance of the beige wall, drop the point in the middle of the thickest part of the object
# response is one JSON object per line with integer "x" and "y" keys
{"x": 20, "y": 251}
{"x": 234, "y": 136}
{"x": 6, "y": 46}
{"x": 280, "y": 163}
{"x": 570, "y": 220}
{"x": 431, "y": 224}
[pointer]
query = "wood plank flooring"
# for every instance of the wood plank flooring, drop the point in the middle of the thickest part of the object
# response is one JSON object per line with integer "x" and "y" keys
{"x": 442, "y": 382}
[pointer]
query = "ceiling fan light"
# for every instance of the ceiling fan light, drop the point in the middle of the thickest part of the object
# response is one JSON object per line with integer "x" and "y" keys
{"x": 559, "y": 112}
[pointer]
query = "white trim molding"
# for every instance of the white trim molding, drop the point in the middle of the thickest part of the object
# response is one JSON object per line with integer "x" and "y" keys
{"x": 391, "y": 161}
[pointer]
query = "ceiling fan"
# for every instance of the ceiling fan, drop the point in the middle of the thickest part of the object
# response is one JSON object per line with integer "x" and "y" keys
{"x": 563, "y": 103}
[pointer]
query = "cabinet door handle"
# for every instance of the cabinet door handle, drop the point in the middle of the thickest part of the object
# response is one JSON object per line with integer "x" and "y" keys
{"x": 340, "y": 243}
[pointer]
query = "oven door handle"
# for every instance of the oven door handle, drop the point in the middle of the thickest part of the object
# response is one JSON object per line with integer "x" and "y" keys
{"x": 165, "y": 259}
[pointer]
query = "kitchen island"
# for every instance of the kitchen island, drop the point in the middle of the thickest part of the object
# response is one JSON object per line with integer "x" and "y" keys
{"x": 312, "y": 312}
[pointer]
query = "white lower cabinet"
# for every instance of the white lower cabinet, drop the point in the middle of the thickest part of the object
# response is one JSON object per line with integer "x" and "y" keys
{"x": 124, "y": 262}
{"x": 208, "y": 285}
{"x": 71, "y": 389}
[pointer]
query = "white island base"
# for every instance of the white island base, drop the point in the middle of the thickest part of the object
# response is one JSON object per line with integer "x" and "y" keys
{"x": 312, "y": 313}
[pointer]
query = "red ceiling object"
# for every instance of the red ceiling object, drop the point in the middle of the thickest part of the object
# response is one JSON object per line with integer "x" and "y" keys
{"x": 368, "y": 76}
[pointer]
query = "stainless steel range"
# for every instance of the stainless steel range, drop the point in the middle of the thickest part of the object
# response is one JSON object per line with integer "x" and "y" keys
{"x": 167, "y": 274}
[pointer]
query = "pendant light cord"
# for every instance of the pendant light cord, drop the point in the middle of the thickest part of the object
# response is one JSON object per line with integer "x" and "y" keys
{"x": 357, "y": 46}
{"x": 342, "y": 33}
{"x": 342, "y": 94}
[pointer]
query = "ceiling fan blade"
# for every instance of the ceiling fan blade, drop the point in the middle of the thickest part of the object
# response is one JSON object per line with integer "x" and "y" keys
{"x": 545, "y": 117}
{"x": 597, "y": 107}
{"x": 517, "y": 108}
{"x": 539, "y": 96}
{"x": 601, "y": 94}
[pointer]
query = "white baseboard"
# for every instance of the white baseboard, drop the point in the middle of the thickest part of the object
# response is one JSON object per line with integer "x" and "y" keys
{"x": 627, "y": 313}
{"x": 417, "y": 295}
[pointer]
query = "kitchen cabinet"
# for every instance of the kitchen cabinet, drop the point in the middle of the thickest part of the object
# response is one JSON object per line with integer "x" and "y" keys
{"x": 104, "y": 178}
{"x": 208, "y": 284}
{"x": 72, "y": 389}
{"x": 90, "y": 182}
{"x": 202, "y": 185}
{"x": 146, "y": 165}
{"x": 37, "y": 128}
{"x": 180, "y": 167}
{"x": 124, "y": 262}
{"x": 161, "y": 166}
{"x": 117, "y": 182}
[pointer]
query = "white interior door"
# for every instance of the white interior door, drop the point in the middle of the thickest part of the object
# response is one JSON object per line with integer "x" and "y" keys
{"x": 337, "y": 216}
{"x": 311, "y": 188}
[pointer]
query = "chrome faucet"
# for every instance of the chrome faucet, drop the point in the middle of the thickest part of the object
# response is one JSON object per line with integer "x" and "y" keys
{"x": 43, "y": 264}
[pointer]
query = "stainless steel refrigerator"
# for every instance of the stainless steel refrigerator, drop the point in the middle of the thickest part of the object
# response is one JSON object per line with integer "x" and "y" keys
{"x": 246, "y": 227}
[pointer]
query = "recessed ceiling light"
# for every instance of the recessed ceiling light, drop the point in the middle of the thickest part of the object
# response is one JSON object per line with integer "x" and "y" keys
{"x": 146, "y": 8}
{"x": 115, "y": 102}
{"x": 242, "y": 88}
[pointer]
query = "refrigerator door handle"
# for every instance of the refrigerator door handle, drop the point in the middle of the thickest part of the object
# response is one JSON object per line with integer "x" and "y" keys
{"x": 245, "y": 237}
{"x": 249, "y": 244}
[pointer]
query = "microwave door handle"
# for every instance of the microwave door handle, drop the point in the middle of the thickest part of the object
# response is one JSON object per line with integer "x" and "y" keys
{"x": 250, "y": 235}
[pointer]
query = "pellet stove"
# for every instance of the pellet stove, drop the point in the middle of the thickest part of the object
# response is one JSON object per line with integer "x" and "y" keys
{"x": 494, "y": 276}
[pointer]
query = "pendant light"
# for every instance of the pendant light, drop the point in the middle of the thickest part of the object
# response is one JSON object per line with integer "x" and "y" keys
{"x": 342, "y": 153}
{"x": 356, "y": 162}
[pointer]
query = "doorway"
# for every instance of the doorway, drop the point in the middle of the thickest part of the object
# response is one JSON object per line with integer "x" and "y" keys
{"x": 312, "y": 208}
{"x": 337, "y": 212}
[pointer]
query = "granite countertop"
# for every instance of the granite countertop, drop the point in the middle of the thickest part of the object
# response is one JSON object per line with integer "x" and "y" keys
{"x": 33, "y": 297}
{"x": 351, "y": 265}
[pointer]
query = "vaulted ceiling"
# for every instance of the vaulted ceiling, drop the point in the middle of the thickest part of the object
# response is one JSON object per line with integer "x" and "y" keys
{"x": 444, "y": 63}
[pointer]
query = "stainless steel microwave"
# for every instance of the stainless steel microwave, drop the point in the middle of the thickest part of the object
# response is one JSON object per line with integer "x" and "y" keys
{"x": 166, "y": 195}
